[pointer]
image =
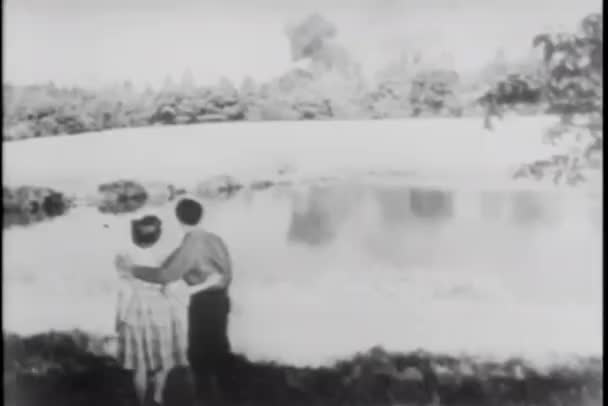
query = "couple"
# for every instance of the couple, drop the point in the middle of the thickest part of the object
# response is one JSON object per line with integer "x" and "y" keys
{"x": 157, "y": 329}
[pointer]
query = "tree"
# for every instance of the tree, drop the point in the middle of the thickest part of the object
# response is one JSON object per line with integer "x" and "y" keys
{"x": 516, "y": 89}
{"x": 313, "y": 39}
{"x": 308, "y": 38}
{"x": 573, "y": 87}
{"x": 434, "y": 91}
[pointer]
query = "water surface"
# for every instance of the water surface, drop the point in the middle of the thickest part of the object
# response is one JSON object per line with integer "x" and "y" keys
{"x": 322, "y": 272}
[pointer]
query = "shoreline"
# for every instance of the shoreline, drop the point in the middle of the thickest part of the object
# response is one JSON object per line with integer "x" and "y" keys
{"x": 104, "y": 345}
{"x": 41, "y": 366}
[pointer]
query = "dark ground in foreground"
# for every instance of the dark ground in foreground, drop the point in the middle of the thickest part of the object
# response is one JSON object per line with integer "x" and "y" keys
{"x": 62, "y": 369}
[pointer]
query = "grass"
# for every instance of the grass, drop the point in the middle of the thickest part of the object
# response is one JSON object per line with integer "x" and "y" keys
{"x": 69, "y": 369}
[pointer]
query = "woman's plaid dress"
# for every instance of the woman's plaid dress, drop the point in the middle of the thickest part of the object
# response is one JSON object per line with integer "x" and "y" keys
{"x": 151, "y": 326}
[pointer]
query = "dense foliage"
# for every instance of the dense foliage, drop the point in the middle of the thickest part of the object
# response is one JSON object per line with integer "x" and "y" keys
{"x": 46, "y": 110}
{"x": 571, "y": 82}
{"x": 515, "y": 91}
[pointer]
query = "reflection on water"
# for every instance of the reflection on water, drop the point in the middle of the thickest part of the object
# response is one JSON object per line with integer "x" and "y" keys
{"x": 122, "y": 205}
{"x": 528, "y": 208}
{"x": 318, "y": 214}
{"x": 22, "y": 218}
{"x": 431, "y": 204}
{"x": 496, "y": 232}
{"x": 447, "y": 270}
{"x": 34, "y": 215}
{"x": 394, "y": 205}
{"x": 311, "y": 220}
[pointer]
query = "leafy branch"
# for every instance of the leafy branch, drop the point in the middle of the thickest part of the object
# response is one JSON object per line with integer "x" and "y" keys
{"x": 573, "y": 87}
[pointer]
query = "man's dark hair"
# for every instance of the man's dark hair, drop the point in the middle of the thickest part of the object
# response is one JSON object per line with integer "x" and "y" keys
{"x": 189, "y": 212}
{"x": 146, "y": 231}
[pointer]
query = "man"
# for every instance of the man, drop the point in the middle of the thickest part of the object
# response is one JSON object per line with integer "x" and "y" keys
{"x": 203, "y": 262}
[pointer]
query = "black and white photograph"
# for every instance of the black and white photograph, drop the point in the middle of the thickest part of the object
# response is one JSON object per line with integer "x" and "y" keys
{"x": 302, "y": 203}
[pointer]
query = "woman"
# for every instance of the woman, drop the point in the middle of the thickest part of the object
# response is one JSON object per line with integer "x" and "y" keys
{"x": 151, "y": 318}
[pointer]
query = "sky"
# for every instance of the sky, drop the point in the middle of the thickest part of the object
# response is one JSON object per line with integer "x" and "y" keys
{"x": 90, "y": 42}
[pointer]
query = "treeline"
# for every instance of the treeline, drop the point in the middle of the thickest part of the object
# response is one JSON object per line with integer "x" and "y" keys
{"x": 47, "y": 110}
{"x": 331, "y": 86}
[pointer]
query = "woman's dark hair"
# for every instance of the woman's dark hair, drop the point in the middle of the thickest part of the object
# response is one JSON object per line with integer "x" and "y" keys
{"x": 189, "y": 211}
{"x": 146, "y": 230}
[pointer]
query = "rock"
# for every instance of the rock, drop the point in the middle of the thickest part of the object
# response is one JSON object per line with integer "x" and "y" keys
{"x": 54, "y": 204}
{"x": 152, "y": 191}
{"x": 121, "y": 196}
{"x": 218, "y": 186}
{"x": 122, "y": 190}
{"x": 34, "y": 200}
{"x": 176, "y": 191}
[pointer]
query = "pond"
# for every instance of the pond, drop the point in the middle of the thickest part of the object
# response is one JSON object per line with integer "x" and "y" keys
{"x": 324, "y": 271}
